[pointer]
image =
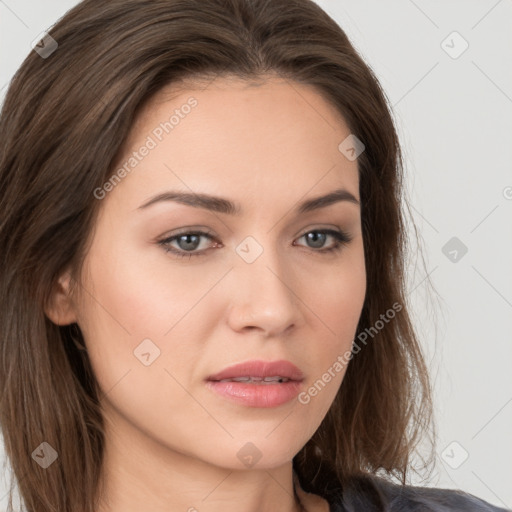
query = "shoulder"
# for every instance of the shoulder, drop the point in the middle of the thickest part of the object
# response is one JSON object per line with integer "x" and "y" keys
{"x": 408, "y": 498}
{"x": 415, "y": 498}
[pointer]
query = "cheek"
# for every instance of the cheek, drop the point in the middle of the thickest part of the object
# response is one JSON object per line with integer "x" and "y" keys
{"x": 144, "y": 299}
{"x": 336, "y": 299}
{"x": 335, "y": 304}
{"x": 138, "y": 314}
{"x": 141, "y": 353}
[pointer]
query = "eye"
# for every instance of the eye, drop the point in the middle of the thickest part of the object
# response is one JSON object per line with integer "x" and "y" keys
{"x": 318, "y": 236}
{"x": 189, "y": 241}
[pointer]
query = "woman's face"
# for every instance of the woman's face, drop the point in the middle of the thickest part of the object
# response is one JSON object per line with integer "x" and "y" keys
{"x": 255, "y": 286}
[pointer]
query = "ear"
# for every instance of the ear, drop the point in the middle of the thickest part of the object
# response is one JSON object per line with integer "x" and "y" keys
{"x": 60, "y": 308}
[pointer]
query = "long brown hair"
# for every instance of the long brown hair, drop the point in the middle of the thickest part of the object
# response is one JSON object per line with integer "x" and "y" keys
{"x": 64, "y": 120}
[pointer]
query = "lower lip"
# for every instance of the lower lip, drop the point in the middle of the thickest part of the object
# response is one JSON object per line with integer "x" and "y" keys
{"x": 257, "y": 395}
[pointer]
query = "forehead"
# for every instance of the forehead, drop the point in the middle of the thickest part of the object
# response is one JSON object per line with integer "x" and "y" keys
{"x": 229, "y": 135}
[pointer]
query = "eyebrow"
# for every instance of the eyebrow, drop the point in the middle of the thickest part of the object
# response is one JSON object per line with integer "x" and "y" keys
{"x": 222, "y": 205}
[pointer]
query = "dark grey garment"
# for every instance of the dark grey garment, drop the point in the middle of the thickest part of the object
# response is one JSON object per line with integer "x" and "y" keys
{"x": 378, "y": 495}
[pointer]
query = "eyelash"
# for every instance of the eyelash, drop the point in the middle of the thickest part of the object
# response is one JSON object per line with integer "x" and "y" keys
{"x": 342, "y": 238}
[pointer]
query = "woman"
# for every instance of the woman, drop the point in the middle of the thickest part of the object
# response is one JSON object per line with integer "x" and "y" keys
{"x": 251, "y": 138}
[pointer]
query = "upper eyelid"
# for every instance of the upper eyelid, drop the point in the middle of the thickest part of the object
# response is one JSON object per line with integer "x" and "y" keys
{"x": 207, "y": 231}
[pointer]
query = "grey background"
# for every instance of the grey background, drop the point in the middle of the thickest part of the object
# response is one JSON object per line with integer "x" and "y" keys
{"x": 455, "y": 123}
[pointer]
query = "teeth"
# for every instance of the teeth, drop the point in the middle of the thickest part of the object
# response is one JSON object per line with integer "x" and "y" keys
{"x": 256, "y": 379}
{"x": 276, "y": 379}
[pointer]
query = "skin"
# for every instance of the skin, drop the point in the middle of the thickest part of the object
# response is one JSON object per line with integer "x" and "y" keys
{"x": 171, "y": 443}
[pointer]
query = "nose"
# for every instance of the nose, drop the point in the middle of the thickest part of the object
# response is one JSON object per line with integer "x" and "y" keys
{"x": 265, "y": 295}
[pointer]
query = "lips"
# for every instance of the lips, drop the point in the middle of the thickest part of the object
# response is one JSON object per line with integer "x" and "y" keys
{"x": 259, "y": 372}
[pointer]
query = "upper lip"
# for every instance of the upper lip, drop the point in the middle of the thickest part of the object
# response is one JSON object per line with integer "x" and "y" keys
{"x": 260, "y": 369}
